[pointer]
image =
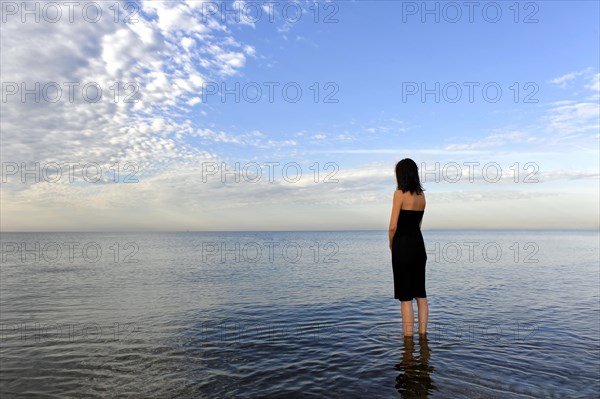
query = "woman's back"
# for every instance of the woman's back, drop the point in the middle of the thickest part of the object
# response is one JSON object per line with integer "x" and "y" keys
{"x": 409, "y": 221}
{"x": 415, "y": 202}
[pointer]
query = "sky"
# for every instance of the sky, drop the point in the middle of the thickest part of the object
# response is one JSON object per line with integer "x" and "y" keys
{"x": 262, "y": 115}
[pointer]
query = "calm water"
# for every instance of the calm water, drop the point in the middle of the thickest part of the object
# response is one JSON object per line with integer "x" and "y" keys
{"x": 297, "y": 314}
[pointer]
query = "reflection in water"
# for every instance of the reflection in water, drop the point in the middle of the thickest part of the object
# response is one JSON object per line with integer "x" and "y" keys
{"x": 414, "y": 380}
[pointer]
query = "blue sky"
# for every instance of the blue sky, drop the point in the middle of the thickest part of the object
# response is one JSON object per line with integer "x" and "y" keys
{"x": 174, "y": 52}
{"x": 369, "y": 53}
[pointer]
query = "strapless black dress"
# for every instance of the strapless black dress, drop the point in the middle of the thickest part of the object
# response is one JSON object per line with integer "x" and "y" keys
{"x": 409, "y": 257}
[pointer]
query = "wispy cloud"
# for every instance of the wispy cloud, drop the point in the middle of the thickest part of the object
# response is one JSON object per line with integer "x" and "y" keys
{"x": 565, "y": 80}
{"x": 494, "y": 140}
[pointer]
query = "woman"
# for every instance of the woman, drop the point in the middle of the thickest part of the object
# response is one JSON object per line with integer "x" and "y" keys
{"x": 407, "y": 246}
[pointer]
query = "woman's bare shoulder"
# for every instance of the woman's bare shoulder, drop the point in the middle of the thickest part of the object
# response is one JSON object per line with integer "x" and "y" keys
{"x": 397, "y": 195}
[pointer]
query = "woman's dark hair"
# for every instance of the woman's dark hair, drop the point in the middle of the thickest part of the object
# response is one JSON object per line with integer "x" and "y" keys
{"x": 407, "y": 176}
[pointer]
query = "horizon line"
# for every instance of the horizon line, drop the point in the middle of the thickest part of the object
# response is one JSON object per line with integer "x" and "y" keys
{"x": 597, "y": 229}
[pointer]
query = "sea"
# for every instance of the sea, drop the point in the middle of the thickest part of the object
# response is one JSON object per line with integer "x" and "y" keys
{"x": 297, "y": 314}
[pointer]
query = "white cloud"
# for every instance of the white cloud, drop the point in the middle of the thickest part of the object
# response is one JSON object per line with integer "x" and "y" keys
{"x": 573, "y": 119}
{"x": 172, "y": 16}
{"x": 157, "y": 57}
{"x": 251, "y": 51}
{"x": 493, "y": 140}
{"x": 564, "y": 80}
{"x": 594, "y": 86}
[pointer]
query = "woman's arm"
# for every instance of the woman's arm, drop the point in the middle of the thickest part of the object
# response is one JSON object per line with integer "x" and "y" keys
{"x": 397, "y": 204}
{"x": 424, "y": 204}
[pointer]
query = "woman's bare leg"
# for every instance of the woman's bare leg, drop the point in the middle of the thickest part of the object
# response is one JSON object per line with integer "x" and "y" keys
{"x": 408, "y": 317}
{"x": 423, "y": 309}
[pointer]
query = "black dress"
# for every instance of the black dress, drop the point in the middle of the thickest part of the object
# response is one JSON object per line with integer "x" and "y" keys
{"x": 409, "y": 257}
